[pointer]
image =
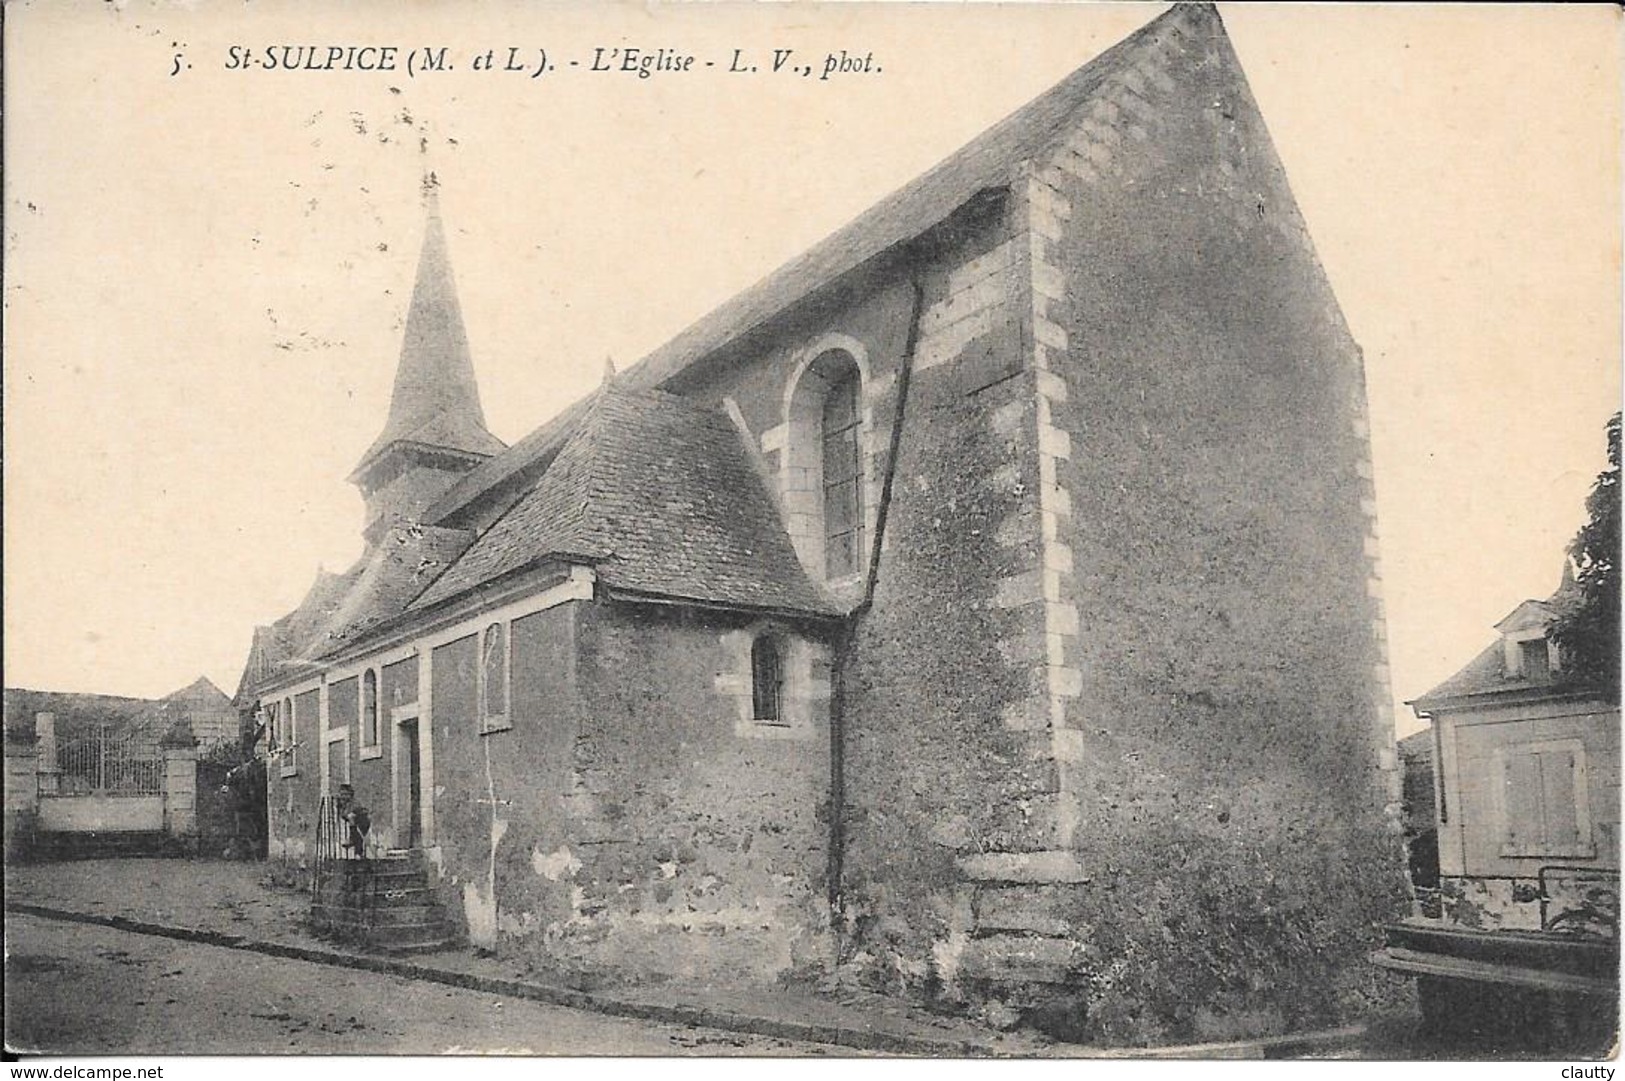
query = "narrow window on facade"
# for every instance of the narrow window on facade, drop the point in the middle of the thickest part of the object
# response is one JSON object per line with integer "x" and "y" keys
{"x": 273, "y": 726}
{"x": 843, "y": 479}
{"x": 369, "y": 709}
{"x": 494, "y": 674}
{"x": 290, "y": 737}
{"x": 767, "y": 680}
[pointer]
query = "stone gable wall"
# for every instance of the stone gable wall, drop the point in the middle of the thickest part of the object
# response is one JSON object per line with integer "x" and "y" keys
{"x": 1219, "y": 707}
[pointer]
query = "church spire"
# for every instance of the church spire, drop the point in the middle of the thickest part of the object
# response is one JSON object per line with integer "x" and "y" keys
{"x": 436, "y": 429}
{"x": 436, "y": 402}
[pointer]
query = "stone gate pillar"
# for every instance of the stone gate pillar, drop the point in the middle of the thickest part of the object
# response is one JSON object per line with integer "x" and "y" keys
{"x": 180, "y": 789}
{"x": 22, "y": 791}
{"x": 46, "y": 766}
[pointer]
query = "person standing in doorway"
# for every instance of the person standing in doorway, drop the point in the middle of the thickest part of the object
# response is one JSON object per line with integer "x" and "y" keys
{"x": 356, "y": 823}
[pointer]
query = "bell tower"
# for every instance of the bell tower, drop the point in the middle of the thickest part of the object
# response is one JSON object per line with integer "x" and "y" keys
{"x": 436, "y": 429}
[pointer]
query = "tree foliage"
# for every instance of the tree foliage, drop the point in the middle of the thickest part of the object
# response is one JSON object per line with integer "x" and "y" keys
{"x": 1587, "y": 626}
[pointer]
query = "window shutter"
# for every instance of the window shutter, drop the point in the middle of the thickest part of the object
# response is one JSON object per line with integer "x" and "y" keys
{"x": 1541, "y": 794}
{"x": 1522, "y": 798}
{"x": 1560, "y": 808}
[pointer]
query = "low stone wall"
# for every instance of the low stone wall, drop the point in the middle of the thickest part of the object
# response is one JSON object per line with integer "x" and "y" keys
{"x": 1580, "y": 903}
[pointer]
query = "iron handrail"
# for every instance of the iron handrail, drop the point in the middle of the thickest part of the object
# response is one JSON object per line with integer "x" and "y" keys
{"x": 1545, "y": 895}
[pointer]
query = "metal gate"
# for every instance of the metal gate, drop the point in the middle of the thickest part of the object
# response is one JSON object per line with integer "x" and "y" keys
{"x": 109, "y": 764}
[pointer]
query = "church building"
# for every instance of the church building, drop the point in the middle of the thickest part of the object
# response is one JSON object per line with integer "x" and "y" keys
{"x": 983, "y": 607}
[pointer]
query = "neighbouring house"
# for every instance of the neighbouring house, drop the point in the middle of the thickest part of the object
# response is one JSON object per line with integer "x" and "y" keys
{"x": 199, "y": 710}
{"x": 94, "y": 773}
{"x": 1527, "y": 781}
{"x": 984, "y": 606}
{"x": 1526, "y": 804}
{"x": 206, "y": 711}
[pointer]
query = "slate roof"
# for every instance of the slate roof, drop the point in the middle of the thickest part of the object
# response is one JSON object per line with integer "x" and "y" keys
{"x": 283, "y": 643}
{"x": 399, "y": 568}
{"x": 995, "y": 159}
{"x": 436, "y": 401}
{"x": 659, "y": 495}
{"x": 1486, "y": 673}
{"x": 265, "y": 652}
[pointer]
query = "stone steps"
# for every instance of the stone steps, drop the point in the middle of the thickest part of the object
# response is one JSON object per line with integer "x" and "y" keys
{"x": 381, "y": 916}
{"x": 384, "y": 903}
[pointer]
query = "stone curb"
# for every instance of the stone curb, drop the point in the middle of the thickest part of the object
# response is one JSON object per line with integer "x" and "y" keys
{"x": 728, "y": 1020}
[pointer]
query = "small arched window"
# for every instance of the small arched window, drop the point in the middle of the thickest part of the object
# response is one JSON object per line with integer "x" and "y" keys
{"x": 494, "y": 675}
{"x": 369, "y": 708}
{"x": 767, "y": 680}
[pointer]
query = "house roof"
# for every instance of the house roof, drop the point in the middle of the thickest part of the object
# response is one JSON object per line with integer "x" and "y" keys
{"x": 201, "y": 689}
{"x": 78, "y": 714}
{"x": 436, "y": 401}
{"x": 181, "y": 714}
{"x": 994, "y": 159}
{"x": 1528, "y": 615}
{"x": 265, "y": 652}
{"x": 1486, "y": 673}
{"x": 659, "y": 495}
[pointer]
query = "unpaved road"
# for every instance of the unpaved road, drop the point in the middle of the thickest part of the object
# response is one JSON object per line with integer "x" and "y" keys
{"x": 80, "y": 989}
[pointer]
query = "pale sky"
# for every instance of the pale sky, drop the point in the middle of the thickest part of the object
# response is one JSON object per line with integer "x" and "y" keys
{"x": 206, "y": 274}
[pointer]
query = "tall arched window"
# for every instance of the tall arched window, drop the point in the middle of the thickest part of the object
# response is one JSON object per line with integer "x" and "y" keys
{"x": 369, "y": 709}
{"x": 290, "y": 738}
{"x": 843, "y": 479}
{"x": 494, "y": 675}
{"x": 767, "y": 680}
{"x": 823, "y": 474}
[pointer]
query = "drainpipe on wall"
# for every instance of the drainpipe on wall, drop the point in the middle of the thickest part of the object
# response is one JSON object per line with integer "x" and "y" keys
{"x": 845, "y": 634}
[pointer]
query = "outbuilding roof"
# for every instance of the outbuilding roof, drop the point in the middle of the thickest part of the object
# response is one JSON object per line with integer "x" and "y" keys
{"x": 660, "y": 496}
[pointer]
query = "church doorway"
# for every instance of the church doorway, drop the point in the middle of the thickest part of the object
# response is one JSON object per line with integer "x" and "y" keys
{"x": 412, "y": 784}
